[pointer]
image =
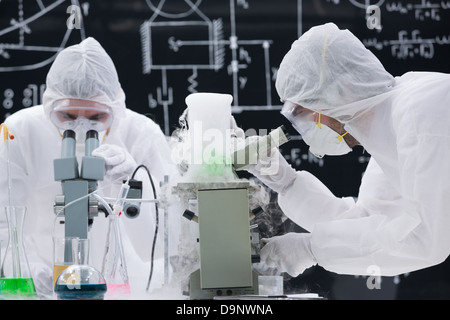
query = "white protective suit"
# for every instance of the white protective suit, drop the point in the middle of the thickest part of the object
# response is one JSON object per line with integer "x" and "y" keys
{"x": 83, "y": 71}
{"x": 401, "y": 219}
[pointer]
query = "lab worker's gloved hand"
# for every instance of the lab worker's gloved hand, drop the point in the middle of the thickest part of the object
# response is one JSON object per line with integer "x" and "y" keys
{"x": 119, "y": 163}
{"x": 289, "y": 253}
{"x": 272, "y": 169}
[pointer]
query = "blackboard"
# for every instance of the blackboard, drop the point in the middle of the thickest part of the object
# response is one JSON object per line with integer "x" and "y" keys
{"x": 166, "y": 49}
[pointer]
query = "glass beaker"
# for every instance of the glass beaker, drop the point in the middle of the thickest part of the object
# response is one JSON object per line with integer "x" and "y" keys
{"x": 15, "y": 278}
{"x": 270, "y": 285}
{"x": 68, "y": 251}
{"x": 114, "y": 267}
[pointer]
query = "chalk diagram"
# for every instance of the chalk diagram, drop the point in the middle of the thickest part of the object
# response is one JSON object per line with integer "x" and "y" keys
{"x": 425, "y": 10}
{"x": 16, "y": 39}
{"x": 210, "y": 43}
{"x": 410, "y": 44}
{"x": 361, "y": 4}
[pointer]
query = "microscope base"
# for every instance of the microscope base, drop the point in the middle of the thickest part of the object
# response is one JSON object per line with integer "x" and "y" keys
{"x": 196, "y": 292}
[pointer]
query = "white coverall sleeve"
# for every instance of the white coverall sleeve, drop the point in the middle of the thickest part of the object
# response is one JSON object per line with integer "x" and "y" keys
{"x": 385, "y": 233}
{"x": 308, "y": 201}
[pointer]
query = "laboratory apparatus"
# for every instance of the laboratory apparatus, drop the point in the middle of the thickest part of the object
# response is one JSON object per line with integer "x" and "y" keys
{"x": 80, "y": 204}
{"x": 63, "y": 248}
{"x": 80, "y": 282}
{"x": 77, "y": 205}
{"x": 15, "y": 277}
{"x": 221, "y": 201}
{"x": 271, "y": 285}
{"x": 254, "y": 149}
{"x": 132, "y": 209}
{"x": 114, "y": 267}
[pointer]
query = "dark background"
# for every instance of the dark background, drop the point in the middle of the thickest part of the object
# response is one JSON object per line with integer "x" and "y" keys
{"x": 161, "y": 52}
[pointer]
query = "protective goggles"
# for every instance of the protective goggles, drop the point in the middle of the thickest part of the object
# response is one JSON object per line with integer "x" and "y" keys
{"x": 302, "y": 119}
{"x": 68, "y": 114}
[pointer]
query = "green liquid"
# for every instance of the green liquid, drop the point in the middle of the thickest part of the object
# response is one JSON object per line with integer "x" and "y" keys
{"x": 218, "y": 165}
{"x": 17, "y": 286}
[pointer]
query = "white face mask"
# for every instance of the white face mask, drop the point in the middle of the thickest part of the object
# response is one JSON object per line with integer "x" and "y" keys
{"x": 321, "y": 139}
{"x": 325, "y": 141}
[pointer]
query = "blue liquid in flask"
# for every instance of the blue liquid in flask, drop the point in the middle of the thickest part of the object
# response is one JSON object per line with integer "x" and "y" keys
{"x": 80, "y": 291}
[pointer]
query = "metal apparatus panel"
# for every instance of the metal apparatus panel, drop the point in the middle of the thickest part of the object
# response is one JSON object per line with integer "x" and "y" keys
{"x": 225, "y": 253}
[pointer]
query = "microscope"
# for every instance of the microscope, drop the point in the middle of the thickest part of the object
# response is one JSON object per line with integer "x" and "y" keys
{"x": 75, "y": 204}
{"x": 218, "y": 200}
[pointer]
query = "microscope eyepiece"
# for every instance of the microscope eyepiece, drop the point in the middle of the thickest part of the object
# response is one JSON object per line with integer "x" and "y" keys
{"x": 91, "y": 134}
{"x": 69, "y": 134}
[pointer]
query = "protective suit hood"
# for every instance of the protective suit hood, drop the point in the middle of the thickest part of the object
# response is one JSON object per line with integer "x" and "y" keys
{"x": 329, "y": 70}
{"x": 84, "y": 71}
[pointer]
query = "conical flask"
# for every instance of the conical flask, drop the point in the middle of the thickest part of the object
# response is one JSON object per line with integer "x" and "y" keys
{"x": 15, "y": 275}
{"x": 114, "y": 268}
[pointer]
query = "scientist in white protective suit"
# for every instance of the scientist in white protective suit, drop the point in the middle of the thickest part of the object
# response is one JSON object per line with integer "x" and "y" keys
{"x": 337, "y": 94}
{"x": 82, "y": 90}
